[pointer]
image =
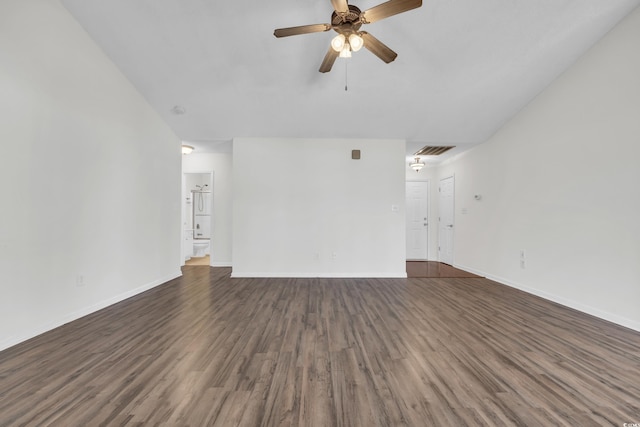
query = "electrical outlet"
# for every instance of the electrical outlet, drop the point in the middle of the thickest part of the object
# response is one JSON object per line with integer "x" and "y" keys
{"x": 522, "y": 264}
{"x": 523, "y": 254}
{"x": 334, "y": 255}
{"x": 80, "y": 280}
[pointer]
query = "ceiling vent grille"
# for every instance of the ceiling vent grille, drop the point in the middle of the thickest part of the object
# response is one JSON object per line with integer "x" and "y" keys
{"x": 430, "y": 150}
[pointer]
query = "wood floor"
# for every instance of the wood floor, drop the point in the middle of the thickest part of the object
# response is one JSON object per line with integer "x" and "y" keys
{"x": 435, "y": 269}
{"x": 198, "y": 261}
{"x": 205, "y": 349}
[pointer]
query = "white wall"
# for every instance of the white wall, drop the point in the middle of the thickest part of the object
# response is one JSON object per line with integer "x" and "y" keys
{"x": 220, "y": 165}
{"x": 89, "y": 177}
{"x": 561, "y": 181}
{"x": 297, "y": 202}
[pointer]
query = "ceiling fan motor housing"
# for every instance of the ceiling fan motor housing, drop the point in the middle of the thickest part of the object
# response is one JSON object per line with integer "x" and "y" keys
{"x": 347, "y": 23}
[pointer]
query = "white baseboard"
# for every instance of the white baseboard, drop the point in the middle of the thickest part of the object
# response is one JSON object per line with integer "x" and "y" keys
{"x": 605, "y": 315}
{"x": 55, "y": 323}
{"x": 220, "y": 264}
{"x": 257, "y": 274}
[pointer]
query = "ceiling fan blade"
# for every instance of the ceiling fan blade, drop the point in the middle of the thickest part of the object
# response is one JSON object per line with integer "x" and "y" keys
{"x": 340, "y": 5}
{"x": 303, "y": 29}
{"x": 328, "y": 60}
{"x": 390, "y": 8}
{"x": 378, "y": 48}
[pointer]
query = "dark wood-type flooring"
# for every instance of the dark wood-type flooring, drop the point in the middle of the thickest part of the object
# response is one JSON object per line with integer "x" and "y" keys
{"x": 205, "y": 349}
{"x": 435, "y": 269}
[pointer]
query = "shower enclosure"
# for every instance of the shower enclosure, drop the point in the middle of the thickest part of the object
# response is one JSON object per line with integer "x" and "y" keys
{"x": 201, "y": 214}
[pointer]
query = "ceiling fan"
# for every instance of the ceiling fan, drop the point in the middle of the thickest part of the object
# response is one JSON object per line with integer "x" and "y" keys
{"x": 346, "y": 20}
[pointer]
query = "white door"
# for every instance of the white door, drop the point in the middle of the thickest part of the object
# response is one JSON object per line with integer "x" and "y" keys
{"x": 445, "y": 227}
{"x": 417, "y": 208}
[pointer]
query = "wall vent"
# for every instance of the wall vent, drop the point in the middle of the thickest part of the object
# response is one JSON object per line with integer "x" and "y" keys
{"x": 430, "y": 150}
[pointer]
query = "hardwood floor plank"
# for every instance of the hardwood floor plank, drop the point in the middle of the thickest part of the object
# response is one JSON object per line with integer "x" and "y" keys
{"x": 206, "y": 349}
{"x": 435, "y": 269}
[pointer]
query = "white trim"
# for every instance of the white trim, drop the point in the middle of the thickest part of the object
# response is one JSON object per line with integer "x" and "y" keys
{"x": 601, "y": 314}
{"x": 288, "y": 275}
{"x": 220, "y": 264}
{"x": 10, "y": 342}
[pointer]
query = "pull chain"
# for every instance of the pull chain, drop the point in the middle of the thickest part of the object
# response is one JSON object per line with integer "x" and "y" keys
{"x": 346, "y": 66}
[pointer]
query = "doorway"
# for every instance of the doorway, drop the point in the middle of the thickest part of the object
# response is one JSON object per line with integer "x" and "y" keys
{"x": 197, "y": 218}
{"x": 417, "y": 211}
{"x": 446, "y": 220}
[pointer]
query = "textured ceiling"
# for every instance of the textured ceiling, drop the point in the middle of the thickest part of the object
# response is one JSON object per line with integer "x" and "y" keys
{"x": 464, "y": 67}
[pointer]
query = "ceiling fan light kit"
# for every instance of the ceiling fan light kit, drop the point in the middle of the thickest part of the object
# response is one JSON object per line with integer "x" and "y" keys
{"x": 337, "y": 43}
{"x": 346, "y": 20}
{"x": 356, "y": 42}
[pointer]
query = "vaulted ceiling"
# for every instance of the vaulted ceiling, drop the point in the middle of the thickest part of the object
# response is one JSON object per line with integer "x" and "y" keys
{"x": 213, "y": 69}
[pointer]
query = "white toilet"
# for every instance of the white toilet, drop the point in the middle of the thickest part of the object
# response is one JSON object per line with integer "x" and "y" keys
{"x": 200, "y": 247}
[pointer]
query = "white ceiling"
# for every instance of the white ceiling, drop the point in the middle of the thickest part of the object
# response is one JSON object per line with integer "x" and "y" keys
{"x": 464, "y": 67}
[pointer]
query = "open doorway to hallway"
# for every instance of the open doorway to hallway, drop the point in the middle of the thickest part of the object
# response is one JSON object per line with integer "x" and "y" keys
{"x": 197, "y": 217}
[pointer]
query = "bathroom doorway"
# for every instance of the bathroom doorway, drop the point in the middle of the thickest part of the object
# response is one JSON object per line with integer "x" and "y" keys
{"x": 197, "y": 218}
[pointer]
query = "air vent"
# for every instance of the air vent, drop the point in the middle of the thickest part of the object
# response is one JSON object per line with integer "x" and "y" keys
{"x": 431, "y": 150}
